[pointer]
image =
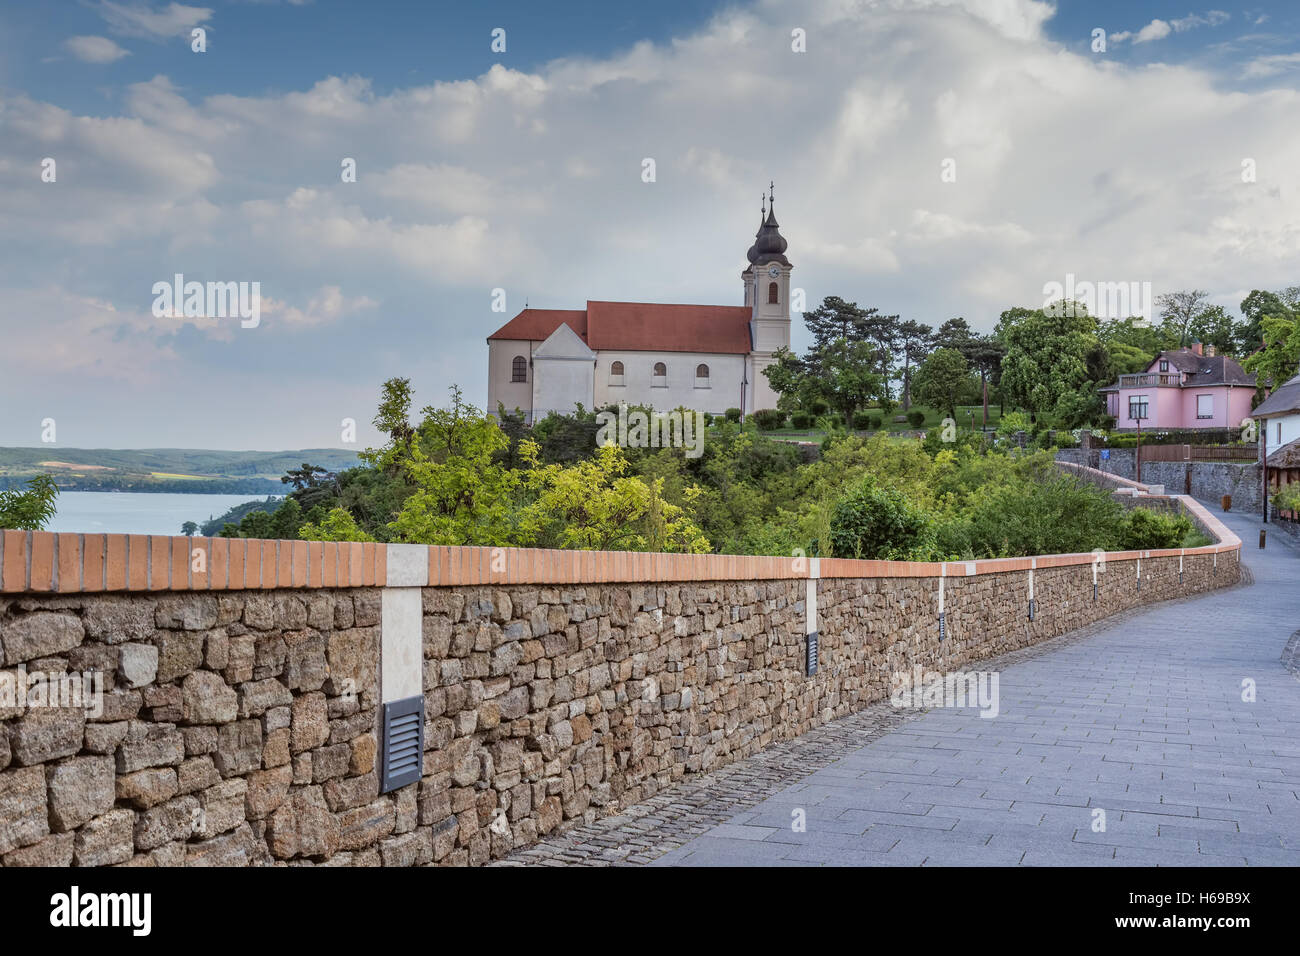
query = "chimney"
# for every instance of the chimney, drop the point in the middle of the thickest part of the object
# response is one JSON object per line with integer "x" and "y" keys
{"x": 1209, "y": 351}
{"x": 1196, "y": 347}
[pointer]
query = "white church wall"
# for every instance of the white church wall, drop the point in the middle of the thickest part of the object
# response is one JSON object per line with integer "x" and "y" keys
{"x": 501, "y": 357}
{"x": 559, "y": 383}
{"x": 725, "y": 375}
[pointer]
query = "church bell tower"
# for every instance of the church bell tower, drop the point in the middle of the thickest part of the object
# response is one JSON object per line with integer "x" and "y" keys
{"x": 767, "y": 293}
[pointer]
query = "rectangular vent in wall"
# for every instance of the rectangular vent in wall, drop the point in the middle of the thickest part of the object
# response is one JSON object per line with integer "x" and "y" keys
{"x": 402, "y": 748}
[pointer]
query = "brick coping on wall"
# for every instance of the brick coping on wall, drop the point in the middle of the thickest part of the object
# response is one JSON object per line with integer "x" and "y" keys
{"x": 67, "y": 563}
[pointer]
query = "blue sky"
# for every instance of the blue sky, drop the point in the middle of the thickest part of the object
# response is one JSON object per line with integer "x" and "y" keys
{"x": 521, "y": 170}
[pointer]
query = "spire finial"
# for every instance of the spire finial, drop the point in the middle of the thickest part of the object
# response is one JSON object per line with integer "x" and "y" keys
{"x": 771, "y": 186}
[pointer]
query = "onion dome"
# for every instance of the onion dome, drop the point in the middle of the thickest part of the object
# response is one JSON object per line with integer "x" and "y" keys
{"x": 769, "y": 245}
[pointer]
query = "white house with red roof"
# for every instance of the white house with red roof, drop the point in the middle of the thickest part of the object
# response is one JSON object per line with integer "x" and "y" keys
{"x": 702, "y": 357}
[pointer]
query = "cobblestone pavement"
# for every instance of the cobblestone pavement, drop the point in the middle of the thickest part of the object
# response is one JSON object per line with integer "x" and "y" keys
{"x": 1140, "y": 717}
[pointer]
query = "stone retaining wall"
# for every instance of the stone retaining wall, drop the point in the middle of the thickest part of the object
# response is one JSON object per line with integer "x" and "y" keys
{"x": 240, "y": 716}
{"x": 1206, "y": 480}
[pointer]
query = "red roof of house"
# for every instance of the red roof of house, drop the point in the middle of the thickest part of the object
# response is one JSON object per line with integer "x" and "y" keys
{"x": 641, "y": 327}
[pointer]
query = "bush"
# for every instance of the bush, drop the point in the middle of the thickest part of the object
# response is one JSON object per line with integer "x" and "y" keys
{"x": 915, "y": 418}
{"x": 801, "y": 420}
{"x": 880, "y": 523}
{"x": 1288, "y": 499}
{"x": 861, "y": 421}
{"x": 733, "y": 414}
{"x": 1013, "y": 422}
{"x": 1145, "y": 529}
{"x": 29, "y": 510}
{"x": 769, "y": 419}
{"x": 818, "y": 407}
{"x": 1042, "y": 514}
{"x": 875, "y": 422}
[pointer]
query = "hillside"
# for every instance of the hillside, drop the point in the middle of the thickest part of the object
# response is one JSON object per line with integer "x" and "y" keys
{"x": 195, "y": 470}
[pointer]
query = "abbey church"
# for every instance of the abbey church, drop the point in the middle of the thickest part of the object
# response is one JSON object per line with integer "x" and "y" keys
{"x": 702, "y": 357}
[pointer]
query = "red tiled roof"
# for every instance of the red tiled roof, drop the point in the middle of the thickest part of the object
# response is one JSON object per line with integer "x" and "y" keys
{"x": 641, "y": 327}
{"x": 536, "y": 325}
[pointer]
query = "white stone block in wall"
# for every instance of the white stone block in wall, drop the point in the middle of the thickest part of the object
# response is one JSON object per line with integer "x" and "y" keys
{"x": 401, "y": 671}
{"x": 408, "y": 566}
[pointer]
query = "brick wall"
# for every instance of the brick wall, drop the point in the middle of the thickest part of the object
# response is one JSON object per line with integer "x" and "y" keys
{"x": 243, "y": 681}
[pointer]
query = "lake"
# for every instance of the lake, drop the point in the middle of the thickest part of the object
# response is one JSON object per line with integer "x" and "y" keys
{"x": 123, "y": 512}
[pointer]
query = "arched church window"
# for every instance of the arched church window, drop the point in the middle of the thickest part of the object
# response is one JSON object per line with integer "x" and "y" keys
{"x": 701, "y": 376}
{"x": 772, "y": 293}
{"x": 519, "y": 369}
{"x": 661, "y": 368}
{"x": 616, "y": 368}
{"x": 660, "y": 376}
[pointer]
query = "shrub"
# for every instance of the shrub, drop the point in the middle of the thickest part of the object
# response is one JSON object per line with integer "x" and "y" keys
{"x": 1143, "y": 528}
{"x": 1288, "y": 499}
{"x": 861, "y": 421}
{"x": 916, "y": 418}
{"x": 818, "y": 407}
{"x": 29, "y": 510}
{"x": 769, "y": 419}
{"x": 1042, "y": 514}
{"x": 733, "y": 414}
{"x": 879, "y": 522}
{"x": 1013, "y": 422}
{"x": 801, "y": 420}
{"x": 874, "y": 422}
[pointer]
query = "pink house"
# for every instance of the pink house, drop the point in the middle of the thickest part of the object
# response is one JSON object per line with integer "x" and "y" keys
{"x": 1183, "y": 388}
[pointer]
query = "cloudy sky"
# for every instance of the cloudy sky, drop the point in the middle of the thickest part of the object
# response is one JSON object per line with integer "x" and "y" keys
{"x": 522, "y": 170}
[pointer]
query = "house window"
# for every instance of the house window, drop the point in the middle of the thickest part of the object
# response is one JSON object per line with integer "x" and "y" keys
{"x": 660, "y": 377}
{"x": 1204, "y": 406}
{"x": 772, "y": 293}
{"x": 1279, "y": 433}
{"x": 1164, "y": 365}
{"x": 519, "y": 369}
{"x": 701, "y": 376}
{"x": 1137, "y": 408}
{"x": 616, "y": 373}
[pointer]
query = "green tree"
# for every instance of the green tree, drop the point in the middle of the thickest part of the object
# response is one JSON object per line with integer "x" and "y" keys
{"x": 1213, "y": 326}
{"x": 29, "y": 510}
{"x": 915, "y": 341}
{"x": 1178, "y": 310}
{"x": 189, "y": 529}
{"x": 1047, "y": 355}
{"x": 942, "y": 380}
{"x": 1278, "y": 360}
{"x": 1257, "y": 305}
{"x": 848, "y": 377}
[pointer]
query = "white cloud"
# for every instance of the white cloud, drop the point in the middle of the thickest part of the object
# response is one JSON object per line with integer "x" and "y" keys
{"x": 91, "y": 49}
{"x": 1159, "y": 29}
{"x": 531, "y": 182}
{"x": 1155, "y": 30}
{"x": 1263, "y": 67}
{"x": 142, "y": 20}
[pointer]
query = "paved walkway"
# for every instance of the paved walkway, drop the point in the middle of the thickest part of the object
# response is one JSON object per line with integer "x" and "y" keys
{"x": 1141, "y": 718}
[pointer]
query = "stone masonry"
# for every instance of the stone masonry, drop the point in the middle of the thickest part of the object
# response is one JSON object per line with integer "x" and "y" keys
{"x": 242, "y": 726}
